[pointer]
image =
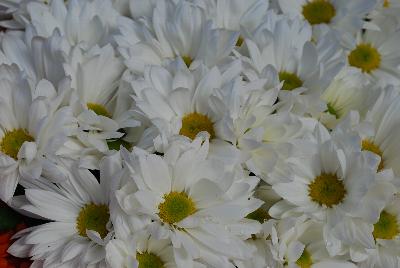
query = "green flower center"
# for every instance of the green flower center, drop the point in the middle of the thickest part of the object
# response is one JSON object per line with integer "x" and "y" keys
{"x": 319, "y": 11}
{"x": 332, "y": 111}
{"x": 194, "y": 123}
{"x": 305, "y": 260}
{"x": 98, "y": 109}
{"x": 367, "y": 145}
{"x": 291, "y": 80}
{"x": 187, "y": 60}
{"x": 176, "y": 207}
{"x": 93, "y": 217}
{"x": 327, "y": 189}
{"x": 387, "y": 226}
{"x": 260, "y": 215}
{"x": 149, "y": 260}
{"x": 13, "y": 140}
{"x": 365, "y": 57}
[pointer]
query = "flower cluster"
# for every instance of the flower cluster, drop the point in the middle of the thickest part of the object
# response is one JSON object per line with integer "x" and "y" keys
{"x": 202, "y": 133}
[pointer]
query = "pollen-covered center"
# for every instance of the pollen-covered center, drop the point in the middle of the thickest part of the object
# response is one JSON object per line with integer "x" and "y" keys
{"x": 291, "y": 80}
{"x": 367, "y": 145}
{"x": 149, "y": 260}
{"x": 194, "y": 123}
{"x": 13, "y": 140}
{"x": 176, "y": 207}
{"x": 365, "y": 57}
{"x": 386, "y": 3}
{"x": 305, "y": 260}
{"x": 319, "y": 11}
{"x": 240, "y": 41}
{"x": 327, "y": 189}
{"x": 387, "y": 226}
{"x": 98, "y": 109}
{"x": 260, "y": 215}
{"x": 93, "y": 217}
{"x": 187, "y": 60}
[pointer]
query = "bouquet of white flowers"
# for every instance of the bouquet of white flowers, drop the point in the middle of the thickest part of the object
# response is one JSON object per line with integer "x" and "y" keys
{"x": 201, "y": 133}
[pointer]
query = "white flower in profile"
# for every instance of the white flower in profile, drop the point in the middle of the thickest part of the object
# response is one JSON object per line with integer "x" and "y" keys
{"x": 177, "y": 30}
{"x": 197, "y": 203}
{"x": 33, "y": 126}
{"x": 79, "y": 227}
{"x": 343, "y": 16}
{"x": 348, "y": 91}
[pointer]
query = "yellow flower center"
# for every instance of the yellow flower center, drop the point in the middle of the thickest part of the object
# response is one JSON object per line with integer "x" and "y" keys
{"x": 13, "y": 140}
{"x": 149, "y": 260}
{"x": 291, "y": 80}
{"x": 327, "y": 189}
{"x": 98, "y": 109}
{"x": 260, "y": 215}
{"x": 365, "y": 57}
{"x": 367, "y": 145}
{"x": 386, "y": 3}
{"x": 387, "y": 226}
{"x": 187, "y": 60}
{"x": 176, "y": 207}
{"x": 93, "y": 217}
{"x": 305, "y": 260}
{"x": 194, "y": 123}
{"x": 319, "y": 11}
{"x": 240, "y": 41}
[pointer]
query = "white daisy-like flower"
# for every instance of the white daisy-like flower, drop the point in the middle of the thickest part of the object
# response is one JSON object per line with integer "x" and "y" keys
{"x": 305, "y": 68}
{"x": 298, "y": 242}
{"x": 102, "y": 104}
{"x": 341, "y": 15}
{"x": 33, "y": 127}
{"x": 386, "y": 232}
{"x": 80, "y": 226}
{"x": 184, "y": 102}
{"x": 87, "y": 23}
{"x": 197, "y": 203}
{"x": 140, "y": 250}
{"x": 379, "y": 129}
{"x": 177, "y": 30}
{"x": 376, "y": 54}
{"x": 38, "y": 57}
{"x": 348, "y": 91}
{"x": 328, "y": 183}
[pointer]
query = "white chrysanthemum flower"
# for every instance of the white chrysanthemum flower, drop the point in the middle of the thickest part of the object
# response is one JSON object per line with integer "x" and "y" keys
{"x": 341, "y": 15}
{"x": 297, "y": 242}
{"x": 386, "y": 232}
{"x": 385, "y": 9}
{"x": 305, "y": 68}
{"x": 376, "y": 54}
{"x": 80, "y": 226}
{"x": 87, "y": 23}
{"x": 328, "y": 183}
{"x": 348, "y": 91}
{"x": 141, "y": 250}
{"x": 38, "y": 57}
{"x": 177, "y": 30}
{"x": 184, "y": 102}
{"x": 380, "y": 128}
{"x": 197, "y": 203}
{"x": 101, "y": 106}
{"x": 32, "y": 128}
